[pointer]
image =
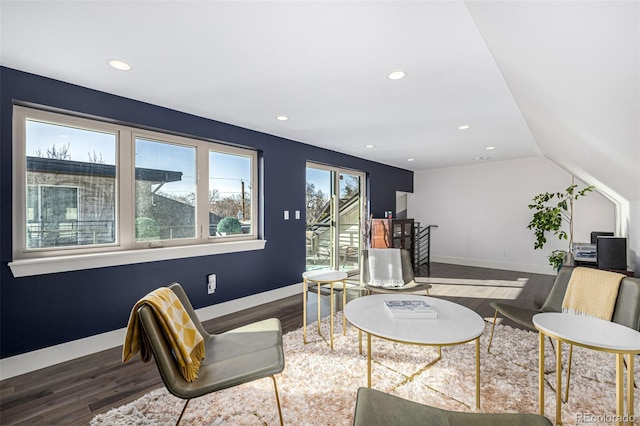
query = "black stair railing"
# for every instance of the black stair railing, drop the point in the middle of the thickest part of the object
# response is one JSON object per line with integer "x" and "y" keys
{"x": 422, "y": 252}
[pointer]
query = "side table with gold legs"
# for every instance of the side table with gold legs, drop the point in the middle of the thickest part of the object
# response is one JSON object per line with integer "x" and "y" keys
{"x": 321, "y": 278}
{"x": 595, "y": 334}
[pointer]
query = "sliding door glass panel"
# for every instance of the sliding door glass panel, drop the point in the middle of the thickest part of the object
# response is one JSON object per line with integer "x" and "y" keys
{"x": 334, "y": 208}
{"x": 319, "y": 214}
{"x": 349, "y": 220}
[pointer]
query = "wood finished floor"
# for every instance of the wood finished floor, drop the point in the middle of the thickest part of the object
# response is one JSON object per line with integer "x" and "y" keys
{"x": 72, "y": 393}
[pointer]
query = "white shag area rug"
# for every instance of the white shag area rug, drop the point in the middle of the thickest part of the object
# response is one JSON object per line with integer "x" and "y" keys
{"x": 319, "y": 385}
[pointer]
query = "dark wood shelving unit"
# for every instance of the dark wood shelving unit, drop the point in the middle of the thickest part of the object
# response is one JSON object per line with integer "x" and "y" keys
{"x": 393, "y": 233}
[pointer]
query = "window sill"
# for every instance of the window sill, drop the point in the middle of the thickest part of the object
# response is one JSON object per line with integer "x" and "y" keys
{"x": 50, "y": 265}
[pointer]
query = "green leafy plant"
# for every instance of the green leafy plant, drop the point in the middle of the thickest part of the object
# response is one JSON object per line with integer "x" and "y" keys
{"x": 229, "y": 225}
{"x": 556, "y": 258}
{"x": 551, "y": 211}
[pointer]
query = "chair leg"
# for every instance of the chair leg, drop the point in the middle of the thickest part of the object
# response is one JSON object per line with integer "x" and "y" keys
{"x": 183, "y": 410}
{"x": 275, "y": 386}
{"x": 495, "y": 317}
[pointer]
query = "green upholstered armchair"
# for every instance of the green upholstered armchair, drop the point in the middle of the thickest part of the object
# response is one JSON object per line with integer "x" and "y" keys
{"x": 237, "y": 356}
{"x": 375, "y": 408}
{"x": 626, "y": 310}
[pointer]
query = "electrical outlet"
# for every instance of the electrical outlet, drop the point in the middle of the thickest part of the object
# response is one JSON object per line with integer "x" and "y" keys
{"x": 211, "y": 284}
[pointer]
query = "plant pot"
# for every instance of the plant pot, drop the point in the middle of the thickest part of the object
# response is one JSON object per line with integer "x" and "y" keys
{"x": 568, "y": 260}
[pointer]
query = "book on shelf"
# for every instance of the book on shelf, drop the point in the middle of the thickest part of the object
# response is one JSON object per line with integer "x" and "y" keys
{"x": 410, "y": 309}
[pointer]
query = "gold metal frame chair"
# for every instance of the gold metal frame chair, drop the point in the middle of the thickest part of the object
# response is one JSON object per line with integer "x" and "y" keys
{"x": 408, "y": 276}
{"x": 237, "y": 356}
{"x": 626, "y": 311}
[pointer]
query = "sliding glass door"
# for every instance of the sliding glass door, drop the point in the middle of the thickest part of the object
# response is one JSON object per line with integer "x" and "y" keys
{"x": 335, "y": 201}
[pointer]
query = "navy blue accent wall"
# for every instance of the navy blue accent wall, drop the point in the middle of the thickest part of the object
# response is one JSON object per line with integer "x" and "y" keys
{"x": 45, "y": 310}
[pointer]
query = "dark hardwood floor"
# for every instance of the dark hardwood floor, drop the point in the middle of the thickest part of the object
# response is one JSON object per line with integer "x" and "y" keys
{"x": 72, "y": 393}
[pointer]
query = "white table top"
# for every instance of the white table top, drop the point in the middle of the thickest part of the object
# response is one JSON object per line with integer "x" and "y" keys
{"x": 324, "y": 275}
{"x": 455, "y": 323}
{"x": 590, "y": 332}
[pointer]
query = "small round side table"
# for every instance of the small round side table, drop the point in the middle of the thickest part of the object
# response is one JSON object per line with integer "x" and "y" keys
{"x": 321, "y": 278}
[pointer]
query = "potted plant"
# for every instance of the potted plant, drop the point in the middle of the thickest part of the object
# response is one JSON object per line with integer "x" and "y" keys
{"x": 550, "y": 211}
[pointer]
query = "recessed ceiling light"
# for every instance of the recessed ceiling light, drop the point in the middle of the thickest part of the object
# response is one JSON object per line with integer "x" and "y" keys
{"x": 464, "y": 127}
{"x": 481, "y": 158}
{"x": 409, "y": 159}
{"x": 396, "y": 75}
{"x": 119, "y": 65}
{"x": 282, "y": 118}
{"x": 489, "y": 148}
{"x": 369, "y": 146}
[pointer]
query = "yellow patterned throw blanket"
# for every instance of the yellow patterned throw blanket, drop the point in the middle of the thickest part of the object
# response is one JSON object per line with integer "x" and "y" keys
{"x": 592, "y": 292}
{"x": 182, "y": 334}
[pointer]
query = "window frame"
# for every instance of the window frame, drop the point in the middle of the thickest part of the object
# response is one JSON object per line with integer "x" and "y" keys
{"x": 125, "y": 242}
{"x": 39, "y": 196}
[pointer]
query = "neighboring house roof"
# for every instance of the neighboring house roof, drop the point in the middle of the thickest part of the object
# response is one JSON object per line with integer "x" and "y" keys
{"x": 346, "y": 205}
{"x": 52, "y": 165}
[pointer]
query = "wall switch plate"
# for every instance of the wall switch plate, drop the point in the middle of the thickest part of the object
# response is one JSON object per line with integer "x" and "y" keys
{"x": 286, "y": 215}
{"x": 297, "y": 214}
{"x": 211, "y": 284}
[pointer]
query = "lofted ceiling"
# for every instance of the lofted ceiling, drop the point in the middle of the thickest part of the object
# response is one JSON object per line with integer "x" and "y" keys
{"x": 530, "y": 78}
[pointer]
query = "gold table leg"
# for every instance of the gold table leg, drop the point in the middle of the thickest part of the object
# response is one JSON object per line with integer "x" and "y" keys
{"x": 559, "y": 382}
{"x": 630, "y": 396}
{"x": 566, "y": 391}
{"x": 304, "y": 310}
{"x": 619, "y": 388}
{"x": 477, "y": 373}
{"x": 344, "y": 303}
{"x": 368, "y": 360}
{"x": 319, "y": 285}
{"x": 541, "y": 373}
{"x": 331, "y": 310}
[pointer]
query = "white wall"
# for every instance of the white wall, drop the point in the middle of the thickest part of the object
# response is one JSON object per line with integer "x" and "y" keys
{"x": 482, "y": 214}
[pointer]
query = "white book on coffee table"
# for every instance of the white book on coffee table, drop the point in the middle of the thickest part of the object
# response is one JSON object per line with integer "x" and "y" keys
{"x": 410, "y": 309}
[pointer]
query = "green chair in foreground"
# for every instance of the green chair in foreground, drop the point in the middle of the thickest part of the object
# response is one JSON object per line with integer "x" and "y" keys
{"x": 375, "y": 408}
{"x": 232, "y": 358}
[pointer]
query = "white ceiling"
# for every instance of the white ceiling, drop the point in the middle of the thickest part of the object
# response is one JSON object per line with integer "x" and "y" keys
{"x": 531, "y": 78}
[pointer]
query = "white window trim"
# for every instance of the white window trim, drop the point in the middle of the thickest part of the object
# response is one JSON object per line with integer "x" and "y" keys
{"x": 123, "y": 251}
{"x": 50, "y": 265}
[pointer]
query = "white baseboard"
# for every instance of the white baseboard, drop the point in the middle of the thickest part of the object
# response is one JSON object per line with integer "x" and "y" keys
{"x": 46, "y": 357}
{"x": 481, "y": 263}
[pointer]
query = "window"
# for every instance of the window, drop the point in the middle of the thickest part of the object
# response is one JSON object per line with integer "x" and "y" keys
{"x": 165, "y": 191}
{"x": 85, "y": 186}
{"x": 70, "y": 177}
{"x": 229, "y": 194}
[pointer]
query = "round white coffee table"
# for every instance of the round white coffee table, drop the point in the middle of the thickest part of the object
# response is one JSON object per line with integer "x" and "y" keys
{"x": 590, "y": 333}
{"x": 320, "y": 278}
{"x": 455, "y": 325}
